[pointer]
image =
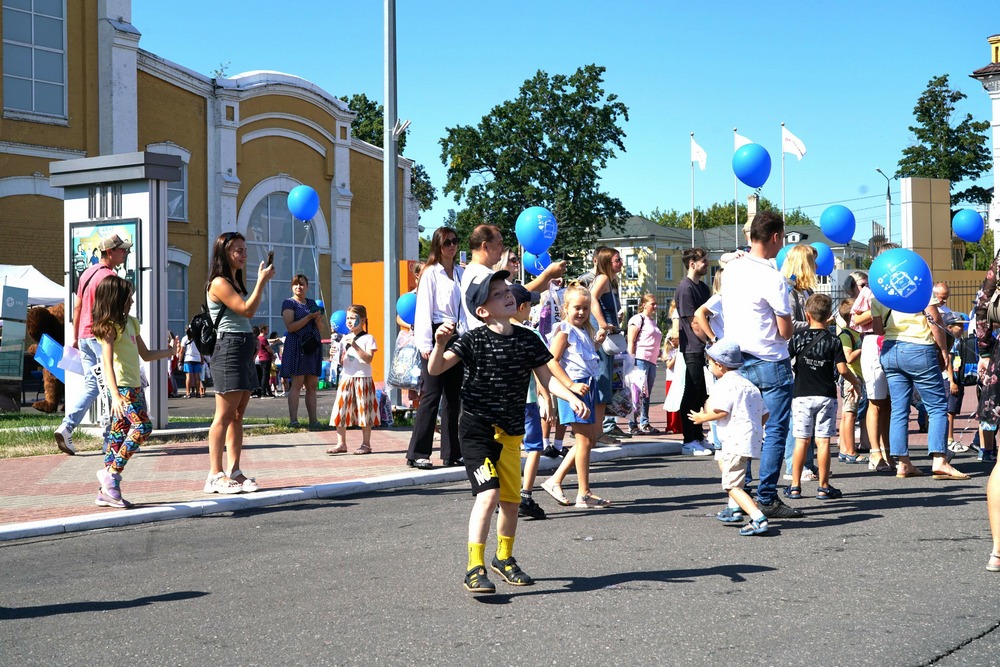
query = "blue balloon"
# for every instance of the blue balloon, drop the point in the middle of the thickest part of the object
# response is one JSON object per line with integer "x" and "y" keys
{"x": 303, "y": 202}
{"x": 752, "y": 165}
{"x": 900, "y": 279}
{"x": 824, "y": 258}
{"x": 535, "y": 264}
{"x": 968, "y": 225}
{"x": 406, "y": 307}
{"x": 780, "y": 259}
{"x": 339, "y": 322}
{"x": 838, "y": 223}
{"x": 536, "y": 229}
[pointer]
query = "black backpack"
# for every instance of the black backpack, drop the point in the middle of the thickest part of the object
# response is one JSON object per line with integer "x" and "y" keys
{"x": 201, "y": 330}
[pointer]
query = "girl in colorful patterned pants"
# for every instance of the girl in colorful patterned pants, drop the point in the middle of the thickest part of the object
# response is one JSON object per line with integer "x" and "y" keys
{"x": 356, "y": 404}
{"x": 122, "y": 348}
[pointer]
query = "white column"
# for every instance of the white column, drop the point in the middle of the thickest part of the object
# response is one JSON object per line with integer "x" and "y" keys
{"x": 118, "y": 44}
{"x": 223, "y": 181}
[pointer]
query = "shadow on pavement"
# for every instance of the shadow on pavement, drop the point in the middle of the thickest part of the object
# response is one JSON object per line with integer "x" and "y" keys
{"x": 15, "y": 613}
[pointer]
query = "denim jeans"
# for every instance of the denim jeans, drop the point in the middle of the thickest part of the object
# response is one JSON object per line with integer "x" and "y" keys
{"x": 774, "y": 380}
{"x": 90, "y": 356}
{"x": 909, "y": 365}
{"x": 650, "y": 369}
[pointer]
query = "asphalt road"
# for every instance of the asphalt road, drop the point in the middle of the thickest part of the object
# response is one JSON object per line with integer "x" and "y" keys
{"x": 893, "y": 574}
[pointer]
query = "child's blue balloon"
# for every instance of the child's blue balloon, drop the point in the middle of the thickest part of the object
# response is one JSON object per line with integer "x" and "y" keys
{"x": 968, "y": 225}
{"x": 303, "y": 202}
{"x": 752, "y": 165}
{"x": 406, "y": 307}
{"x": 900, "y": 279}
{"x": 838, "y": 223}
{"x": 824, "y": 258}
{"x": 780, "y": 259}
{"x": 535, "y": 264}
{"x": 536, "y": 229}
{"x": 339, "y": 322}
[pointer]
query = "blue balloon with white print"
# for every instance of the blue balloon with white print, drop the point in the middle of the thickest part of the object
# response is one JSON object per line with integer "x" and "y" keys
{"x": 900, "y": 279}
{"x": 536, "y": 229}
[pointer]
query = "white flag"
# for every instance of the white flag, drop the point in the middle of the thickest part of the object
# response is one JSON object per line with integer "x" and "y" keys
{"x": 791, "y": 144}
{"x": 739, "y": 141}
{"x": 698, "y": 154}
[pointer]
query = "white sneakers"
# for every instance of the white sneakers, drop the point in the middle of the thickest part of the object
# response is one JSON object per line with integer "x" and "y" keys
{"x": 696, "y": 448}
{"x": 64, "y": 440}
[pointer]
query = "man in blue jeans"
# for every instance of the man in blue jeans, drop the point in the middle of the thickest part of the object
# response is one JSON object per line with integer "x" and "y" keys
{"x": 758, "y": 318}
{"x": 114, "y": 251}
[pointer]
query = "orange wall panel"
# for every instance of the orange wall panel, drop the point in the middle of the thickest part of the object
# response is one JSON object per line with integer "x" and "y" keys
{"x": 368, "y": 290}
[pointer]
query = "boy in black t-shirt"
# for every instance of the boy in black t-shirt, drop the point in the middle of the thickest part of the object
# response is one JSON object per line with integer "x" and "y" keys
{"x": 499, "y": 359}
{"x": 817, "y": 353}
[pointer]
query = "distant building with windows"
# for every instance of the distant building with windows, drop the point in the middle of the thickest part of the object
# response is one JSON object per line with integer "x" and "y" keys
{"x": 652, "y": 255}
{"x": 76, "y": 84}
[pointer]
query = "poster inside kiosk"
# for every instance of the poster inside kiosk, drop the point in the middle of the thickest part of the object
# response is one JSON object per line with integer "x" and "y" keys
{"x": 84, "y": 247}
{"x": 14, "y": 312}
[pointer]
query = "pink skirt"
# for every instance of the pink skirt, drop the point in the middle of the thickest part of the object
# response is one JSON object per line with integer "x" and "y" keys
{"x": 356, "y": 403}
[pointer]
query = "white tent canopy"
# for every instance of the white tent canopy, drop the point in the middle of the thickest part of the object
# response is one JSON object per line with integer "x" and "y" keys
{"x": 41, "y": 290}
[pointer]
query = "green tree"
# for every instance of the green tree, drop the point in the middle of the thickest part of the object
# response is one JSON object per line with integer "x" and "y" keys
{"x": 720, "y": 214}
{"x": 546, "y": 147}
{"x": 944, "y": 149}
{"x": 368, "y": 126}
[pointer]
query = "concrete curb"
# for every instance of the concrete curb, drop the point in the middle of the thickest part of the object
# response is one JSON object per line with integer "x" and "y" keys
{"x": 269, "y": 498}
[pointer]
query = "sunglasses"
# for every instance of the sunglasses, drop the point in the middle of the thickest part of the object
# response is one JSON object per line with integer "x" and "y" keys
{"x": 449, "y": 243}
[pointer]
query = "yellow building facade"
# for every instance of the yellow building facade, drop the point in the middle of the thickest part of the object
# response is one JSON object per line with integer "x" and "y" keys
{"x": 76, "y": 84}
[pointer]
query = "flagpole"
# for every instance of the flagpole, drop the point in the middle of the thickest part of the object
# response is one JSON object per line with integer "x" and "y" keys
{"x": 782, "y": 175}
{"x": 692, "y": 204}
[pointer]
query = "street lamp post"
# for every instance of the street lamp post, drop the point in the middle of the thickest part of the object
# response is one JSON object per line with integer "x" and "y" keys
{"x": 888, "y": 205}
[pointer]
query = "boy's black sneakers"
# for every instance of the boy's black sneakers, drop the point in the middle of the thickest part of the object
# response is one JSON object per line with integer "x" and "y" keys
{"x": 511, "y": 572}
{"x": 553, "y": 453}
{"x": 779, "y": 510}
{"x": 529, "y": 508}
{"x": 476, "y": 580}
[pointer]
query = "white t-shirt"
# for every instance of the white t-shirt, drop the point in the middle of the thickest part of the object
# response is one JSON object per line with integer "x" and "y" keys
{"x": 754, "y": 294}
{"x": 191, "y": 353}
{"x": 715, "y": 318}
{"x": 741, "y": 432}
{"x": 579, "y": 359}
{"x": 352, "y": 366}
{"x": 472, "y": 271}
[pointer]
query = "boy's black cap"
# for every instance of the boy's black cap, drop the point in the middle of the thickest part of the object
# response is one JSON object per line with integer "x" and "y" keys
{"x": 479, "y": 289}
{"x": 522, "y": 295}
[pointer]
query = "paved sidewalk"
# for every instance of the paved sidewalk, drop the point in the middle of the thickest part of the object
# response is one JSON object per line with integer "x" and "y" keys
{"x": 44, "y": 495}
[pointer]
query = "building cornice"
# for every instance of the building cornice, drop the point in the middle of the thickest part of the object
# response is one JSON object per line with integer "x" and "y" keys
{"x": 32, "y": 150}
{"x": 374, "y": 151}
{"x": 174, "y": 74}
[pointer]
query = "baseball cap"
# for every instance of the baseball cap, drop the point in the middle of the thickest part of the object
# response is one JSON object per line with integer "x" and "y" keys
{"x": 115, "y": 241}
{"x": 727, "y": 353}
{"x": 522, "y": 295}
{"x": 479, "y": 289}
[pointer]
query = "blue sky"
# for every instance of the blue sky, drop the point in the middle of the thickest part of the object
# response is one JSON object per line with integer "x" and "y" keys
{"x": 843, "y": 76}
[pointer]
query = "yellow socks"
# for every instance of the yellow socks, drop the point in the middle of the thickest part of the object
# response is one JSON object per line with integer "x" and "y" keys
{"x": 505, "y": 547}
{"x": 476, "y": 554}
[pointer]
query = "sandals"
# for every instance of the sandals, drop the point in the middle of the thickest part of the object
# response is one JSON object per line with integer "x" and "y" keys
{"x": 649, "y": 430}
{"x": 993, "y": 564}
{"x": 556, "y": 492}
{"x": 793, "y": 492}
{"x": 879, "y": 465}
{"x": 219, "y": 483}
{"x": 828, "y": 493}
{"x": 248, "y": 485}
{"x": 590, "y": 501}
{"x": 363, "y": 449}
{"x": 848, "y": 458}
{"x": 339, "y": 449}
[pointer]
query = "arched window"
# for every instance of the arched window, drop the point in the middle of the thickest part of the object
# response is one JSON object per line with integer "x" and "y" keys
{"x": 271, "y": 228}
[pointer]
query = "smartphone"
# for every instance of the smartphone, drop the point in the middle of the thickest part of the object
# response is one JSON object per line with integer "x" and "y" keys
{"x": 461, "y": 258}
{"x": 270, "y": 257}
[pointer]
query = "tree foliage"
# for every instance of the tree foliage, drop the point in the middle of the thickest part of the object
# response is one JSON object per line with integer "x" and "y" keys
{"x": 720, "y": 214}
{"x": 547, "y": 148}
{"x": 943, "y": 149}
{"x": 369, "y": 126}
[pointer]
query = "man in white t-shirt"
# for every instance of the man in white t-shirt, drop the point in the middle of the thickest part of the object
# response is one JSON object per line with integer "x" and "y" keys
{"x": 758, "y": 318}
